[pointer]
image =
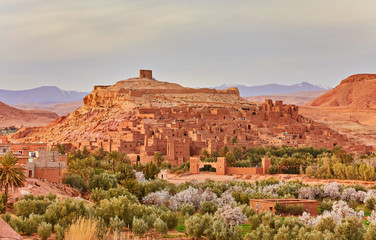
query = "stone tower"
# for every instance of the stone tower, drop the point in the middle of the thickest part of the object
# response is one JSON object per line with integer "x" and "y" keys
{"x": 146, "y": 74}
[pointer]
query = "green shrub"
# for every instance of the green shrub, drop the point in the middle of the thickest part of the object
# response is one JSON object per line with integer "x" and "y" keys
{"x": 266, "y": 182}
{"x": 273, "y": 169}
{"x": 326, "y": 205}
{"x": 2, "y": 207}
{"x": 25, "y": 207}
{"x": 289, "y": 209}
{"x": 103, "y": 181}
{"x": 139, "y": 226}
{"x": 242, "y": 198}
{"x": 353, "y": 204}
{"x": 208, "y": 207}
{"x": 17, "y": 224}
{"x": 326, "y": 224}
{"x": 350, "y": 228}
{"x": 255, "y": 220}
{"x": 150, "y": 219}
{"x": 171, "y": 218}
{"x": 45, "y": 230}
{"x": 6, "y": 217}
{"x": 160, "y": 226}
{"x": 357, "y": 187}
{"x": 187, "y": 209}
{"x": 248, "y": 210}
{"x": 370, "y": 203}
{"x": 66, "y": 211}
{"x": 196, "y": 225}
{"x": 30, "y": 225}
{"x": 59, "y": 230}
{"x": 76, "y": 181}
{"x": 371, "y": 232}
{"x": 218, "y": 229}
{"x": 3, "y": 202}
{"x": 117, "y": 225}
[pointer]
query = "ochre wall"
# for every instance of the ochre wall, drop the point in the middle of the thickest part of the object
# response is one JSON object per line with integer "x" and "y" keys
{"x": 310, "y": 206}
{"x": 146, "y": 74}
{"x": 245, "y": 171}
{"x": 50, "y": 174}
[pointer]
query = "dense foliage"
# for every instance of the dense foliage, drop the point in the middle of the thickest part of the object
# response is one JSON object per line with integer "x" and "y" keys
{"x": 318, "y": 163}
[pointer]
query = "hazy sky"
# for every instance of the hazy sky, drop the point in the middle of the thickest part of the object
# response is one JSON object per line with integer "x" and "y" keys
{"x": 76, "y": 44}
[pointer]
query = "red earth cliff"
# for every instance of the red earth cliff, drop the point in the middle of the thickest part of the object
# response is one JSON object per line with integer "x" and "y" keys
{"x": 357, "y": 91}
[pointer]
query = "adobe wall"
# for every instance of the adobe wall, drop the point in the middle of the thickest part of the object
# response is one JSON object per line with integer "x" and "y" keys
{"x": 222, "y": 168}
{"x": 3, "y": 139}
{"x": 140, "y": 92}
{"x": 50, "y": 174}
{"x": 310, "y": 206}
{"x": 243, "y": 170}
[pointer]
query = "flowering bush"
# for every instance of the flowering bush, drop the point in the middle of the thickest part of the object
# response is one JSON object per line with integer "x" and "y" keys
{"x": 370, "y": 194}
{"x": 190, "y": 195}
{"x": 332, "y": 190}
{"x": 347, "y": 194}
{"x": 311, "y": 193}
{"x": 232, "y": 216}
{"x": 158, "y": 198}
{"x": 226, "y": 199}
{"x": 359, "y": 196}
{"x": 140, "y": 177}
{"x": 339, "y": 211}
{"x": 208, "y": 195}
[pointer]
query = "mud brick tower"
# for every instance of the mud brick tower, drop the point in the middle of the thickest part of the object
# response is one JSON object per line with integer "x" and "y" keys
{"x": 146, "y": 74}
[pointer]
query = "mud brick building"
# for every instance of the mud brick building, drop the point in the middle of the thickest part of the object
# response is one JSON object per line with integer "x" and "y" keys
{"x": 310, "y": 206}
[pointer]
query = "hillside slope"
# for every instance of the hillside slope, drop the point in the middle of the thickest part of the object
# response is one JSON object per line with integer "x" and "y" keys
{"x": 357, "y": 91}
{"x": 10, "y": 116}
{"x": 60, "y": 109}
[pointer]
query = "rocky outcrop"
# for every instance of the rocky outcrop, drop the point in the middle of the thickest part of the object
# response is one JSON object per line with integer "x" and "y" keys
{"x": 107, "y": 106}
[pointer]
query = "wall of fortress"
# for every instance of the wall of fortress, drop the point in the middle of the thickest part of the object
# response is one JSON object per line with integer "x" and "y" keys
{"x": 140, "y": 92}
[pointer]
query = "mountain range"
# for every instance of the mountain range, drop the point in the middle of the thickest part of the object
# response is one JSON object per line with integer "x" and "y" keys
{"x": 272, "y": 89}
{"x": 41, "y": 96}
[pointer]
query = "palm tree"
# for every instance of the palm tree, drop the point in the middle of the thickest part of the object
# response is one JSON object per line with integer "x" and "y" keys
{"x": 113, "y": 156}
{"x": 11, "y": 175}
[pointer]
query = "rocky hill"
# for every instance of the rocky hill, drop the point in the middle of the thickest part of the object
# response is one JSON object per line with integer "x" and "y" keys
{"x": 357, "y": 91}
{"x": 107, "y": 106}
{"x": 60, "y": 109}
{"x": 10, "y": 116}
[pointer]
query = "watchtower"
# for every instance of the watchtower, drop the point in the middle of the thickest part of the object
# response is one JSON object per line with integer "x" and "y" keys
{"x": 146, "y": 74}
